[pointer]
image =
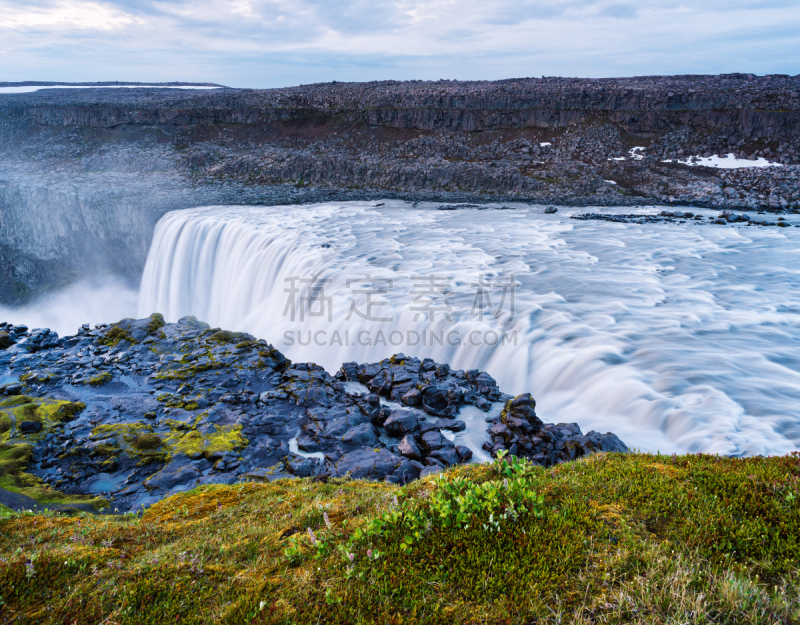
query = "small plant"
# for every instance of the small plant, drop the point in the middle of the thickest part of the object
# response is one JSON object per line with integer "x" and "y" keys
{"x": 293, "y": 553}
{"x": 458, "y": 503}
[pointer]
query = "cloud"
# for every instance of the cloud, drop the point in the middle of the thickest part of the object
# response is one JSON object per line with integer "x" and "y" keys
{"x": 264, "y": 43}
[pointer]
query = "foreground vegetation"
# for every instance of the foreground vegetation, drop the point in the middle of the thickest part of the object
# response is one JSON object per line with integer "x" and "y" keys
{"x": 607, "y": 539}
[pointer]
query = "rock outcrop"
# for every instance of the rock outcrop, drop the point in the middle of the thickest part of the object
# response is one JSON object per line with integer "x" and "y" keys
{"x": 140, "y": 409}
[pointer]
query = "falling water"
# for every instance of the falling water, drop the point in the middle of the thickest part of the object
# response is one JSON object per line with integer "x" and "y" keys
{"x": 677, "y": 337}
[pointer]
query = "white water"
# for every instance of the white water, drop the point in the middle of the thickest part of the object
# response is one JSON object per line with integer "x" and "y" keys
{"x": 677, "y": 337}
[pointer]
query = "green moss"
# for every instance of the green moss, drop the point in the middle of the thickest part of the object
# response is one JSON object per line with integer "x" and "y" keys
{"x": 225, "y": 336}
{"x": 137, "y": 440}
{"x": 116, "y": 334}
{"x": 146, "y": 442}
{"x": 193, "y": 442}
{"x": 48, "y": 412}
{"x": 100, "y": 379}
{"x": 120, "y": 331}
{"x": 15, "y": 400}
{"x": 40, "y": 377}
{"x": 106, "y": 450}
{"x": 63, "y": 411}
{"x": 156, "y": 323}
{"x": 175, "y": 401}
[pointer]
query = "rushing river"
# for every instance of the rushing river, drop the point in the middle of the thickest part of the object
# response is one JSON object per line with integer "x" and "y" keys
{"x": 677, "y": 337}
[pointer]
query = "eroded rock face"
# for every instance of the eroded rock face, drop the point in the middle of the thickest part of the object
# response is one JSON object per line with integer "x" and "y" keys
{"x": 141, "y": 409}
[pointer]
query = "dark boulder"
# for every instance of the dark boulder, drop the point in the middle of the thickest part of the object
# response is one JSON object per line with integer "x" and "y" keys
{"x": 409, "y": 448}
{"x": 30, "y": 427}
{"x": 400, "y": 422}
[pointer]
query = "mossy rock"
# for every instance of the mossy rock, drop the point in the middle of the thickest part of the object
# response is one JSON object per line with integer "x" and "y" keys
{"x": 20, "y": 408}
{"x": 115, "y": 335}
{"x": 6, "y": 340}
{"x": 15, "y": 400}
{"x": 66, "y": 411}
{"x": 14, "y": 459}
{"x": 193, "y": 322}
{"x": 133, "y": 330}
{"x": 147, "y": 442}
{"x": 193, "y": 443}
{"x": 99, "y": 379}
{"x": 226, "y": 336}
{"x": 156, "y": 323}
{"x": 174, "y": 401}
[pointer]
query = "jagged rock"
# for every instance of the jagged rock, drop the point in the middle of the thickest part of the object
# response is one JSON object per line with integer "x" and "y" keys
{"x": 433, "y": 440}
{"x": 300, "y": 466}
{"x": 409, "y": 448}
{"x": 400, "y": 422}
{"x": 363, "y": 435}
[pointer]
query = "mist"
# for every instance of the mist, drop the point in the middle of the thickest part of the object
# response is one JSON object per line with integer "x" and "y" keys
{"x": 92, "y": 301}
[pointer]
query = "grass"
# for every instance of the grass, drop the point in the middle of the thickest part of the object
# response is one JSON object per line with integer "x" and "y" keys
{"x": 611, "y": 538}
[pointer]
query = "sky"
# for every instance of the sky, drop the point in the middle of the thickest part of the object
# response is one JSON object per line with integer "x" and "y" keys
{"x": 275, "y": 43}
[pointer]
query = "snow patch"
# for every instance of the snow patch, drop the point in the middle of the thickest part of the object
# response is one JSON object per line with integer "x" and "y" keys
{"x": 726, "y": 162}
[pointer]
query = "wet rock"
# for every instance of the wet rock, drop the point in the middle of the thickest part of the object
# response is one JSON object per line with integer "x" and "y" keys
{"x": 412, "y": 397}
{"x": 375, "y": 465}
{"x": 433, "y": 440}
{"x": 7, "y": 340}
{"x": 446, "y": 455}
{"x": 400, "y": 422}
{"x": 363, "y": 435}
{"x": 168, "y": 479}
{"x": 409, "y": 448}
{"x": 30, "y": 427}
{"x": 550, "y": 210}
{"x": 300, "y": 466}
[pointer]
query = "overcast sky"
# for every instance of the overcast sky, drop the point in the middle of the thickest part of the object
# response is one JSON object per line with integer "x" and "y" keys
{"x": 272, "y": 43}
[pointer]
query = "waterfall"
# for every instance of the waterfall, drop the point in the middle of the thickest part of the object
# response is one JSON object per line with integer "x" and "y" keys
{"x": 654, "y": 333}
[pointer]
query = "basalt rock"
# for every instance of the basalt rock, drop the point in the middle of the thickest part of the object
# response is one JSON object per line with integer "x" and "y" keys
{"x": 519, "y": 432}
{"x": 140, "y": 409}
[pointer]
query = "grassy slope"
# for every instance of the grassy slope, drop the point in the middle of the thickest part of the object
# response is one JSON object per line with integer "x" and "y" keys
{"x": 617, "y": 539}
